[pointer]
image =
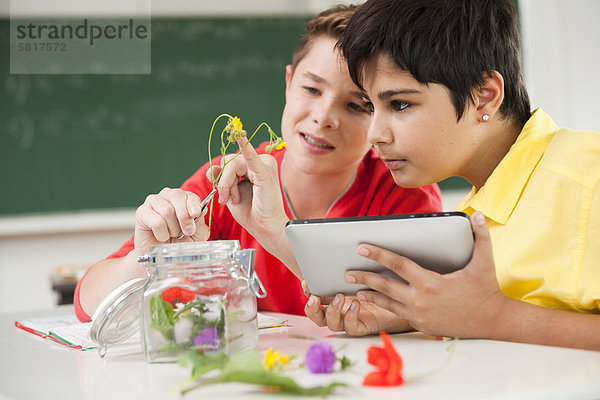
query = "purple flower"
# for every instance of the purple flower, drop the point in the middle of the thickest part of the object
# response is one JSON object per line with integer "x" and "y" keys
{"x": 207, "y": 337}
{"x": 320, "y": 358}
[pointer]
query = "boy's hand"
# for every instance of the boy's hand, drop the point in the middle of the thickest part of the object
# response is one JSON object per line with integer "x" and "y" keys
{"x": 357, "y": 318}
{"x": 165, "y": 216}
{"x": 462, "y": 304}
{"x": 250, "y": 187}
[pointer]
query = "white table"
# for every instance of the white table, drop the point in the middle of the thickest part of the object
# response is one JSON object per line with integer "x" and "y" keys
{"x": 32, "y": 368}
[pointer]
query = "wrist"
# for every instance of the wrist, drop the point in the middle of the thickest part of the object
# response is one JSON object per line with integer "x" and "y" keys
{"x": 274, "y": 240}
{"x": 503, "y": 318}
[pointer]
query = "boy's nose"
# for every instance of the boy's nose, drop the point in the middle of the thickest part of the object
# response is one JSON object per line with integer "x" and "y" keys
{"x": 325, "y": 116}
{"x": 379, "y": 132}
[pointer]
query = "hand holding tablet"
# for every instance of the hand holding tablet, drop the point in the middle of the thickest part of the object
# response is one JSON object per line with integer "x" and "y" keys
{"x": 326, "y": 248}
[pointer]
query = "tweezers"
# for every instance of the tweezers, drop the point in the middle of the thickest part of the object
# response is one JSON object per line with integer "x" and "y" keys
{"x": 202, "y": 206}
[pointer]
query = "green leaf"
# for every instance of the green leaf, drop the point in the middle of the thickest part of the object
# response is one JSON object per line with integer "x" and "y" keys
{"x": 221, "y": 324}
{"x": 246, "y": 367}
{"x": 200, "y": 364}
{"x": 245, "y": 361}
{"x": 162, "y": 316}
{"x": 198, "y": 304}
{"x": 277, "y": 382}
{"x": 345, "y": 363}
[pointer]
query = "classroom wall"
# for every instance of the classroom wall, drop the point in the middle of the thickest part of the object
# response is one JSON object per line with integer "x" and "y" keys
{"x": 561, "y": 42}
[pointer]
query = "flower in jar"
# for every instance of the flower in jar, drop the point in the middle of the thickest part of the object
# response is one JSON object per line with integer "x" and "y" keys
{"x": 207, "y": 339}
{"x": 177, "y": 294}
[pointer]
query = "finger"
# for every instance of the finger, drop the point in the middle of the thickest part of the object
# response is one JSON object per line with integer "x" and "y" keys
{"x": 313, "y": 310}
{"x": 202, "y": 232}
{"x": 392, "y": 287}
{"x": 384, "y": 302}
{"x": 352, "y": 323}
{"x": 213, "y": 172}
{"x": 249, "y": 153}
{"x": 148, "y": 219}
{"x": 179, "y": 202}
{"x": 402, "y": 266}
{"x": 305, "y": 288}
{"x": 165, "y": 209}
{"x": 263, "y": 167}
{"x": 482, "y": 252}
{"x": 230, "y": 177}
{"x": 234, "y": 193}
{"x": 193, "y": 204}
{"x": 334, "y": 315}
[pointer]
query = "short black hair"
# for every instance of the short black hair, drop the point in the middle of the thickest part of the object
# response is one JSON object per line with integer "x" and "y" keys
{"x": 456, "y": 43}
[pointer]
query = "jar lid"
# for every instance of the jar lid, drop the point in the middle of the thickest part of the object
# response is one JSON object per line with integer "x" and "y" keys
{"x": 117, "y": 317}
{"x": 175, "y": 253}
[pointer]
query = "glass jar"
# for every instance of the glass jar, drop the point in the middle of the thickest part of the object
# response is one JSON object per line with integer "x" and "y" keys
{"x": 198, "y": 295}
{"x": 201, "y": 296}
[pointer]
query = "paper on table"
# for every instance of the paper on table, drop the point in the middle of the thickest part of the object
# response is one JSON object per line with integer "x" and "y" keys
{"x": 68, "y": 331}
{"x": 265, "y": 322}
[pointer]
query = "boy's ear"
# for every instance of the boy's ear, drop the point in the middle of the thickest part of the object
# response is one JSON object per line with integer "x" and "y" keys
{"x": 490, "y": 95}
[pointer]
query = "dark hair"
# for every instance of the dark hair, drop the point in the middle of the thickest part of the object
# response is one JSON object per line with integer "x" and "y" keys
{"x": 331, "y": 22}
{"x": 456, "y": 43}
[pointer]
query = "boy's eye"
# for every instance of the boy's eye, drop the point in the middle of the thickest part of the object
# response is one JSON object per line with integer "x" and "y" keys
{"x": 358, "y": 108}
{"x": 399, "y": 105}
{"x": 369, "y": 107}
{"x": 312, "y": 90}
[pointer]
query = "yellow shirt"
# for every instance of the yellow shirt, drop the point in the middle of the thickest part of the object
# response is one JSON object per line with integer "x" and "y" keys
{"x": 542, "y": 206}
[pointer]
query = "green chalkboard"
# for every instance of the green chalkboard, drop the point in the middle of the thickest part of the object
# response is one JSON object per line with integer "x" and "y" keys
{"x": 72, "y": 142}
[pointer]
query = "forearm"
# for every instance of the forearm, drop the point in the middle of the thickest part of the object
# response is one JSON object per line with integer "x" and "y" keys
{"x": 528, "y": 323}
{"x": 275, "y": 242}
{"x": 105, "y": 276}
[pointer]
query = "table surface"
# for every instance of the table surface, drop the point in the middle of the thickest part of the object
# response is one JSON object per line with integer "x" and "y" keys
{"x": 33, "y": 368}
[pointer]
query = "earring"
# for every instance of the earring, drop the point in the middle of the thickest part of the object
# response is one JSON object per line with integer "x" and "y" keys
{"x": 485, "y": 117}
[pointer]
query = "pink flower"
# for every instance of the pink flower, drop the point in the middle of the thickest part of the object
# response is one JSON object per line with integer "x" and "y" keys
{"x": 320, "y": 358}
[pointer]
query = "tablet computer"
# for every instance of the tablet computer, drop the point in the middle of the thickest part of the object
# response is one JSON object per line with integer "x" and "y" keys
{"x": 326, "y": 248}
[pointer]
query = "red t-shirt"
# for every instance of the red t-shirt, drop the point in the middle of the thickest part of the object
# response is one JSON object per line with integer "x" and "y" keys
{"x": 373, "y": 192}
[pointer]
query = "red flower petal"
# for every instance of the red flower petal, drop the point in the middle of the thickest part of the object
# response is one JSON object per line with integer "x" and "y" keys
{"x": 395, "y": 371}
{"x": 388, "y": 363}
{"x": 176, "y": 295}
{"x": 377, "y": 357}
{"x": 375, "y": 379}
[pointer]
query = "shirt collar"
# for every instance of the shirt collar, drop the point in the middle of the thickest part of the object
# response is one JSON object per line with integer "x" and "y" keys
{"x": 501, "y": 192}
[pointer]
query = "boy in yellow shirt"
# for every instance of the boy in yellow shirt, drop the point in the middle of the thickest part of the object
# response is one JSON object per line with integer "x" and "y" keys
{"x": 447, "y": 97}
{"x": 444, "y": 84}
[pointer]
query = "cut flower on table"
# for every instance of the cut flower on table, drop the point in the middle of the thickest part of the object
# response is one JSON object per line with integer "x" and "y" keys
{"x": 388, "y": 363}
{"x": 243, "y": 367}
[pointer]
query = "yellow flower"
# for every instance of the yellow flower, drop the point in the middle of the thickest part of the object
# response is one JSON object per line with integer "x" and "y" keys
{"x": 236, "y": 123}
{"x": 281, "y": 146}
{"x": 274, "y": 360}
{"x": 270, "y": 358}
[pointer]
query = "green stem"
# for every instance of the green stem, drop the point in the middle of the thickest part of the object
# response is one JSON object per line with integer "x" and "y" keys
{"x": 223, "y": 147}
